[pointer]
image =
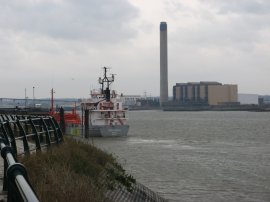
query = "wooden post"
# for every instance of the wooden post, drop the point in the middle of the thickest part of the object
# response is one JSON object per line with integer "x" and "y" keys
{"x": 62, "y": 120}
{"x": 86, "y": 123}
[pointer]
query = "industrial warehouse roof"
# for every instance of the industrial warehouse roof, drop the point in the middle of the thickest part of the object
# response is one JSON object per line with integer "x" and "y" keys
{"x": 200, "y": 83}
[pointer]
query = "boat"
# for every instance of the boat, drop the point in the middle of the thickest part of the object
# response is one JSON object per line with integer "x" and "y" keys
{"x": 104, "y": 114}
{"x": 69, "y": 118}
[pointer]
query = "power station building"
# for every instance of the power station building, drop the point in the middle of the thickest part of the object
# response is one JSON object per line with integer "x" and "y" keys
{"x": 192, "y": 93}
{"x": 205, "y": 93}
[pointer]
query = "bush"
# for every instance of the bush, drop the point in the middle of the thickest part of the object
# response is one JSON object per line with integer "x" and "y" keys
{"x": 74, "y": 171}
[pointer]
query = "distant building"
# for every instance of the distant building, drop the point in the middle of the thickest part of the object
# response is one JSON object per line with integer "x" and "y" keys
{"x": 136, "y": 102}
{"x": 264, "y": 99}
{"x": 248, "y": 99}
{"x": 130, "y": 100}
{"x": 205, "y": 93}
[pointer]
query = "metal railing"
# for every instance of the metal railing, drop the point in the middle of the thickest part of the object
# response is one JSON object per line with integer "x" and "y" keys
{"x": 20, "y": 135}
{"x": 15, "y": 179}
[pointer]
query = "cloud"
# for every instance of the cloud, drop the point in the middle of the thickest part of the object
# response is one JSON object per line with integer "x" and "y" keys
{"x": 43, "y": 37}
{"x": 225, "y": 24}
{"x": 45, "y": 40}
{"x": 98, "y": 21}
{"x": 254, "y": 7}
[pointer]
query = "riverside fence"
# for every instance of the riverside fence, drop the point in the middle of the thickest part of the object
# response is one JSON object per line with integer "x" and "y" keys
{"x": 22, "y": 135}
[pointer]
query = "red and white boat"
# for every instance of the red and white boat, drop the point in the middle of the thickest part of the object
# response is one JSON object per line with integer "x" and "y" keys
{"x": 104, "y": 112}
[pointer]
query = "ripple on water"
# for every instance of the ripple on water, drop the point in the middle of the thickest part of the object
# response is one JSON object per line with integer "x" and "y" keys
{"x": 198, "y": 156}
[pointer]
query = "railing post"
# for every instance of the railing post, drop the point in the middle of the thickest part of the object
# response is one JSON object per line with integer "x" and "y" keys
{"x": 58, "y": 129}
{"x": 12, "y": 137}
{"x": 38, "y": 147}
{"x": 62, "y": 120}
{"x": 40, "y": 126}
{"x": 55, "y": 132}
{"x": 86, "y": 123}
{"x": 23, "y": 134}
{"x": 48, "y": 138}
{"x": 4, "y": 132}
{"x": 7, "y": 118}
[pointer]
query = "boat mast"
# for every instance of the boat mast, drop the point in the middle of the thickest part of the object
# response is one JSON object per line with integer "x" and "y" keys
{"x": 52, "y": 102}
{"x": 108, "y": 81}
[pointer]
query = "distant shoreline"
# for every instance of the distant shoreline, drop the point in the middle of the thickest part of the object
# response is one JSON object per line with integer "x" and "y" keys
{"x": 251, "y": 108}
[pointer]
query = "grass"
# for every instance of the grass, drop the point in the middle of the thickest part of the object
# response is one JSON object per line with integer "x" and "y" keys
{"x": 75, "y": 171}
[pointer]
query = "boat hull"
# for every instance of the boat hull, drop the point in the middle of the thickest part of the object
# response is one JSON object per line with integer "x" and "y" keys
{"x": 107, "y": 131}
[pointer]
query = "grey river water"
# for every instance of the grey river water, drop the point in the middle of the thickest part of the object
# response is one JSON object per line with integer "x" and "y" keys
{"x": 197, "y": 156}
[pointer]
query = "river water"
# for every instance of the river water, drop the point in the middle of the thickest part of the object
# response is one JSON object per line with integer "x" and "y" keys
{"x": 197, "y": 156}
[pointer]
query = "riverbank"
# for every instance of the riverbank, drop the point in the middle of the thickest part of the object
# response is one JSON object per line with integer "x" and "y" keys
{"x": 252, "y": 108}
{"x": 75, "y": 172}
{"x": 78, "y": 171}
{"x": 177, "y": 107}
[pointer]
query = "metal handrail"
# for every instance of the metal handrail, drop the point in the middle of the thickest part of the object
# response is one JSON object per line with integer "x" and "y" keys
{"x": 36, "y": 133}
{"x": 36, "y": 129}
{"x": 16, "y": 177}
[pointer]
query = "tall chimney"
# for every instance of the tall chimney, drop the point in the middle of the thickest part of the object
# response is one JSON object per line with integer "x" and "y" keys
{"x": 163, "y": 64}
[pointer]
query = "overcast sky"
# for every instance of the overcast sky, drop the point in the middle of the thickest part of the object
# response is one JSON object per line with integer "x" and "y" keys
{"x": 63, "y": 44}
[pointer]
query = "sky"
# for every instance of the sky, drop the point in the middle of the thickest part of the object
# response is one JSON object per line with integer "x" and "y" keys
{"x": 63, "y": 44}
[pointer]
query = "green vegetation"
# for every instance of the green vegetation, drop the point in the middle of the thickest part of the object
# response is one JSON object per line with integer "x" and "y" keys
{"x": 75, "y": 171}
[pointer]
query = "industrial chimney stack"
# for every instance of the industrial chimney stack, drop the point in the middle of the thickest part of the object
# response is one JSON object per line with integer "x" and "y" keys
{"x": 163, "y": 64}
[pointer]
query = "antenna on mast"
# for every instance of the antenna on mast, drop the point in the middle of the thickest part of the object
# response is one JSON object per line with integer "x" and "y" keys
{"x": 52, "y": 102}
{"x": 106, "y": 81}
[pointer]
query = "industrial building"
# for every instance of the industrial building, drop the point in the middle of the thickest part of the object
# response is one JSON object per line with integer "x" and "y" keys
{"x": 205, "y": 93}
{"x": 202, "y": 93}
